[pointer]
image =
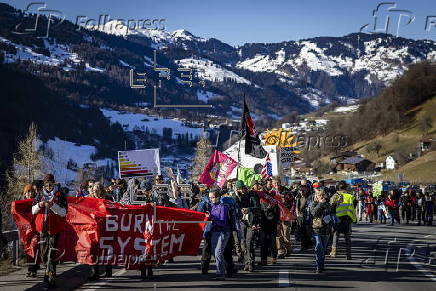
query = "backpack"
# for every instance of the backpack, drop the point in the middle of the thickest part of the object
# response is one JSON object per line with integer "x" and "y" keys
{"x": 232, "y": 213}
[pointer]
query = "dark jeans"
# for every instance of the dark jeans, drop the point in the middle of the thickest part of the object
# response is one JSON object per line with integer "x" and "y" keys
{"x": 249, "y": 237}
{"x": 206, "y": 254}
{"x": 394, "y": 216}
{"x": 304, "y": 233}
{"x": 345, "y": 228}
{"x": 321, "y": 242}
{"x": 48, "y": 251}
{"x": 228, "y": 255}
{"x": 268, "y": 242}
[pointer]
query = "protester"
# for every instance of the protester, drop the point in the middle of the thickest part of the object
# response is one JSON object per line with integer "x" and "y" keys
{"x": 320, "y": 211}
{"x": 420, "y": 208}
{"x": 393, "y": 207}
{"x": 238, "y": 244}
{"x": 429, "y": 208}
{"x": 283, "y": 239}
{"x": 381, "y": 209}
{"x": 406, "y": 206}
{"x": 303, "y": 217}
{"x": 204, "y": 206}
{"x": 268, "y": 228}
{"x": 342, "y": 202}
{"x": 370, "y": 208}
{"x": 220, "y": 231}
{"x": 83, "y": 190}
{"x": 249, "y": 205}
{"x": 50, "y": 209}
{"x": 29, "y": 192}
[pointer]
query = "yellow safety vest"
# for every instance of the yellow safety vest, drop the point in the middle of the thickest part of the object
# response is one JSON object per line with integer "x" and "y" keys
{"x": 346, "y": 207}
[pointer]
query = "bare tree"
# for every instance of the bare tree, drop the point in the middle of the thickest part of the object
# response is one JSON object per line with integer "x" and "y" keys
{"x": 27, "y": 166}
{"x": 202, "y": 155}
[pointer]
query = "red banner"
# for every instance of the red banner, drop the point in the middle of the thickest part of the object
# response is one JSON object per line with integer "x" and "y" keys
{"x": 98, "y": 231}
{"x": 285, "y": 213}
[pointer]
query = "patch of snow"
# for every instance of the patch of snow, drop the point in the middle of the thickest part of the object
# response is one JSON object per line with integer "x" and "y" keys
{"x": 204, "y": 95}
{"x": 350, "y": 108}
{"x": 59, "y": 54}
{"x": 130, "y": 121}
{"x": 63, "y": 151}
{"x": 210, "y": 71}
{"x": 93, "y": 69}
{"x": 123, "y": 63}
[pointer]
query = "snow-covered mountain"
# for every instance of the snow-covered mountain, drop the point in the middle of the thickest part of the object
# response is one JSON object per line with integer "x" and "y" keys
{"x": 298, "y": 75}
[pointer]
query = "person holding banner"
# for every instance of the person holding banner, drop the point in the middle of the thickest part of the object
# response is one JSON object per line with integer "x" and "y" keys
{"x": 220, "y": 231}
{"x": 50, "y": 209}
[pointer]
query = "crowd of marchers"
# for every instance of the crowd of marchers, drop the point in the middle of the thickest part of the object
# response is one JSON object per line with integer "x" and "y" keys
{"x": 243, "y": 218}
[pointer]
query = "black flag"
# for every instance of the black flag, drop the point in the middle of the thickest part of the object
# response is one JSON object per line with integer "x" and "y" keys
{"x": 248, "y": 130}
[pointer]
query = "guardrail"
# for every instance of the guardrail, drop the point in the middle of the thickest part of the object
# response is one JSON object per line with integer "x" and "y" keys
{"x": 12, "y": 236}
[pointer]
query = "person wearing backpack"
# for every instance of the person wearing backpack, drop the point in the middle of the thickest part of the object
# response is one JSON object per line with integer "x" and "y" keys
{"x": 320, "y": 212}
{"x": 220, "y": 231}
{"x": 234, "y": 221}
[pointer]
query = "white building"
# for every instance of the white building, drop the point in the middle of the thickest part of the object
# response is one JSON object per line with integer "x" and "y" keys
{"x": 390, "y": 163}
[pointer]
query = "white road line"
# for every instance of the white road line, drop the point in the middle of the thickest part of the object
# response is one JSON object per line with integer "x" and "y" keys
{"x": 104, "y": 281}
{"x": 419, "y": 266}
{"x": 284, "y": 278}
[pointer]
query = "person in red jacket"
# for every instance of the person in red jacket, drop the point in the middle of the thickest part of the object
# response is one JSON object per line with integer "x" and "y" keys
{"x": 393, "y": 209}
{"x": 49, "y": 208}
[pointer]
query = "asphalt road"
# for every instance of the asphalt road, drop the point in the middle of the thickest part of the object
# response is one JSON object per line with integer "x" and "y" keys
{"x": 384, "y": 258}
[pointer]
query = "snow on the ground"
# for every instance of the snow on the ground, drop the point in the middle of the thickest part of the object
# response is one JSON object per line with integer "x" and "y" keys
{"x": 204, "y": 95}
{"x": 315, "y": 59}
{"x": 59, "y": 54}
{"x": 89, "y": 68}
{"x": 123, "y": 63}
{"x": 210, "y": 71}
{"x": 350, "y": 108}
{"x": 63, "y": 151}
{"x": 130, "y": 121}
{"x": 321, "y": 121}
{"x": 158, "y": 36}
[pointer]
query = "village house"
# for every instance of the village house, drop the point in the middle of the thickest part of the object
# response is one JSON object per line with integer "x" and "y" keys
{"x": 390, "y": 163}
{"x": 355, "y": 164}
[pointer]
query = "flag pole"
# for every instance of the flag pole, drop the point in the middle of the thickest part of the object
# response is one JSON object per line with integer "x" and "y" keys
{"x": 240, "y": 138}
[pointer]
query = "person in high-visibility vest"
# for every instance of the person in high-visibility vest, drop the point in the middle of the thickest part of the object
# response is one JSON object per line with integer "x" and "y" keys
{"x": 346, "y": 213}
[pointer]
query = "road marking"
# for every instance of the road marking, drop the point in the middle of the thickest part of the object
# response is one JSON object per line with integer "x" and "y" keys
{"x": 284, "y": 278}
{"x": 104, "y": 281}
{"x": 417, "y": 265}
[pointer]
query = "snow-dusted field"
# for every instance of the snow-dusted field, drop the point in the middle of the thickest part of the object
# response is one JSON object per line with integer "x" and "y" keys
{"x": 131, "y": 120}
{"x": 63, "y": 151}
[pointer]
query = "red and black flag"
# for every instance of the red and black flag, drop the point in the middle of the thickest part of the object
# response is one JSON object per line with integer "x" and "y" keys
{"x": 248, "y": 130}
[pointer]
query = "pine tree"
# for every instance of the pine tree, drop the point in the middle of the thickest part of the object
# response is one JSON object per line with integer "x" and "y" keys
{"x": 202, "y": 154}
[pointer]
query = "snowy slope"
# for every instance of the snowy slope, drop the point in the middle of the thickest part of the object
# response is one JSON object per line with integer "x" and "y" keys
{"x": 59, "y": 54}
{"x": 131, "y": 120}
{"x": 208, "y": 70}
{"x": 119, "y": 28}
{"x": 63, "y": 151}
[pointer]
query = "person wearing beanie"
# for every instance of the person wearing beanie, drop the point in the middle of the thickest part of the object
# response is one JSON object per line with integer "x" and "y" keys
{"x": 49, "y": 209}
